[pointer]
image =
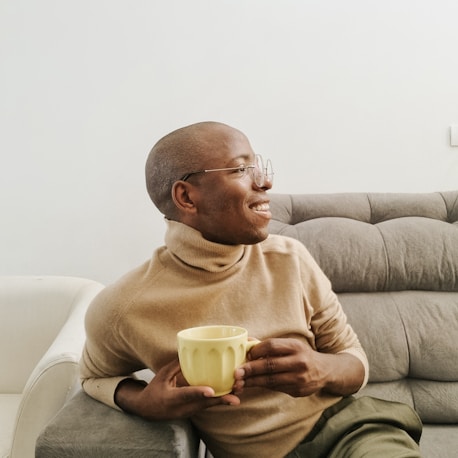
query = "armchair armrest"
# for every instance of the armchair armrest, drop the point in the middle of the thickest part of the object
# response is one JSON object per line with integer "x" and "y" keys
{"x": 55, "y": 378}
{"x": 87, "y": 428}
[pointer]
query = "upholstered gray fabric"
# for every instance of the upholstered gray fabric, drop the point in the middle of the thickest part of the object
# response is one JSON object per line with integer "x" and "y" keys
{"x": 439, "y": 441}
{"x": 86, "y": 428}
{"x": 393, "y": 260}
{"x": 376, "y": 242}
{"x": 410, "y": 333}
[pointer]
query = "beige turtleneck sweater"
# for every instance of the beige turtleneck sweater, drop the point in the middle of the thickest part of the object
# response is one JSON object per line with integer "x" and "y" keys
{"x": 274, "y": 289}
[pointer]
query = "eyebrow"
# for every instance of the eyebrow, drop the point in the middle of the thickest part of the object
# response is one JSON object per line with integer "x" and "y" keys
{"x": 244, "y": 157}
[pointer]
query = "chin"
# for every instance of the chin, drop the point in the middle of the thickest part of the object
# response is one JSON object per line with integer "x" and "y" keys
{"x": 257, "y": 237}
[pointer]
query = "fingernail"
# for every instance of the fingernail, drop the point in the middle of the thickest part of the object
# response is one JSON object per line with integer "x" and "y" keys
{"x": 239, "y": 373}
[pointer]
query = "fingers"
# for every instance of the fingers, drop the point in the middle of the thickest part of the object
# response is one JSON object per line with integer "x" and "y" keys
{"x": 286, "y": 365}
{"x": 205, "y": 395}
{"x": 273, "y": 366}
{"x": 162, "y": 399}
{"x": 192, "y": 399}
{"x": 230, "y": 399}
{"x": 184, "y": 400}
{"x": 169, "y": 371}
{"x": 268, "y": 372}
{"x": 275, "y": 356}
{"x": 276, "y": 347}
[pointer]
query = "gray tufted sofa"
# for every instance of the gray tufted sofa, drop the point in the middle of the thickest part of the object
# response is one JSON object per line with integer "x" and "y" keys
{"x": 393, "y": 260}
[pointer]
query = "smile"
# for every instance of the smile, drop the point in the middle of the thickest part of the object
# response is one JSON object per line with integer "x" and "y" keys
{"x": 261, "y": 207}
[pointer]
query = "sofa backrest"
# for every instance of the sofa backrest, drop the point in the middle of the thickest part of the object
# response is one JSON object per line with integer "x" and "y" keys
{"x": 376, "y": 242}
{"x": 393, "y": 260}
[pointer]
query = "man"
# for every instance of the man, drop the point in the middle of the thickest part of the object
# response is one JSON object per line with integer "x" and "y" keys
{"x": 220, "y": 266}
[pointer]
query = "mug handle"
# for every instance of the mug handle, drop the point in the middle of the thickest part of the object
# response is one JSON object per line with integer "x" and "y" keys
{"x": 251, "y": 343}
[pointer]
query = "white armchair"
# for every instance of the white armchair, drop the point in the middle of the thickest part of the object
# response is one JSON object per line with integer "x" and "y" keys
{"x": 41, "y": 339}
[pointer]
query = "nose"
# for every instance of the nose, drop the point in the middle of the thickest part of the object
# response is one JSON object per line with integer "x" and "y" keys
{"x": 265, "y": 185}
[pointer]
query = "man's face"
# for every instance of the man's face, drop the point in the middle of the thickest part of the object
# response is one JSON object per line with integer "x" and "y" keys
{"x": 230, "y": 208}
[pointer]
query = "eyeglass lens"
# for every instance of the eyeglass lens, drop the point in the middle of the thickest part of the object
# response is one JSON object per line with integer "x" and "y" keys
{"x": 262, "y": 172}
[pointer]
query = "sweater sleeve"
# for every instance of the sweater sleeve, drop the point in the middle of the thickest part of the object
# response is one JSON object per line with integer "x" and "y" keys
{"x": 105, "y": 360}
{"x": 101, "y": 388}
{"x": 332, "y": 332}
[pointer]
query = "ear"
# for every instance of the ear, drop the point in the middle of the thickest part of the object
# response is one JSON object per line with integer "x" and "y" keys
{"x": 182, "y": 192}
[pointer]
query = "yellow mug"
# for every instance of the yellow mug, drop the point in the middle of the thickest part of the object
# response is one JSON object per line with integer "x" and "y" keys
{"x": 209, "y": 355}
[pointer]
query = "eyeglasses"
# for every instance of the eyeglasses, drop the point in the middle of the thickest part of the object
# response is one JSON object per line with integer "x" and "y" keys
{"x": 260, "y": 172}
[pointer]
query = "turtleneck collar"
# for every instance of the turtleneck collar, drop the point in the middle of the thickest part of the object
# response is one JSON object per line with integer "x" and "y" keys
{"x": 190, "y": 247}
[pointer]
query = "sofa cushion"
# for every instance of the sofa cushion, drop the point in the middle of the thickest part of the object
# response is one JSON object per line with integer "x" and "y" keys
{"x": 439, "y": 441}
{"x": 406, "y": 333}
{"x": 376, "y": 242}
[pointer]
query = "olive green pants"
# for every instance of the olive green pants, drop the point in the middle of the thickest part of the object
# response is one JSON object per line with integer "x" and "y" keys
{"x": 364, "y": 427}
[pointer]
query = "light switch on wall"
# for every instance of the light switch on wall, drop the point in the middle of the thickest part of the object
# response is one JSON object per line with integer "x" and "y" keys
{"x": 454, "y": 135}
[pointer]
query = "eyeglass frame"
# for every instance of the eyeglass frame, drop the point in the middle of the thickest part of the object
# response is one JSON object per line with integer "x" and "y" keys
{"x": 263, "y": 175}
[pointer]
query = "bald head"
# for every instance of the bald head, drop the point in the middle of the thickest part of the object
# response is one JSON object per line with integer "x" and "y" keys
{"x": 178, "y": 153}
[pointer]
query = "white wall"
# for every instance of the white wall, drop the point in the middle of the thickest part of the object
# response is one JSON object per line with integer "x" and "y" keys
{"x": 354, "y": 95}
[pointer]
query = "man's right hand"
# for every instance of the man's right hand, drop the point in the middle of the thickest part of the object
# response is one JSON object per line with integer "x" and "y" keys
{"x": 167, "y": 396}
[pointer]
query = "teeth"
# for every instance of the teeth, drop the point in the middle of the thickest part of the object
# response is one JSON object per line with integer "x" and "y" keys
{"x": 261, "y": 207}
